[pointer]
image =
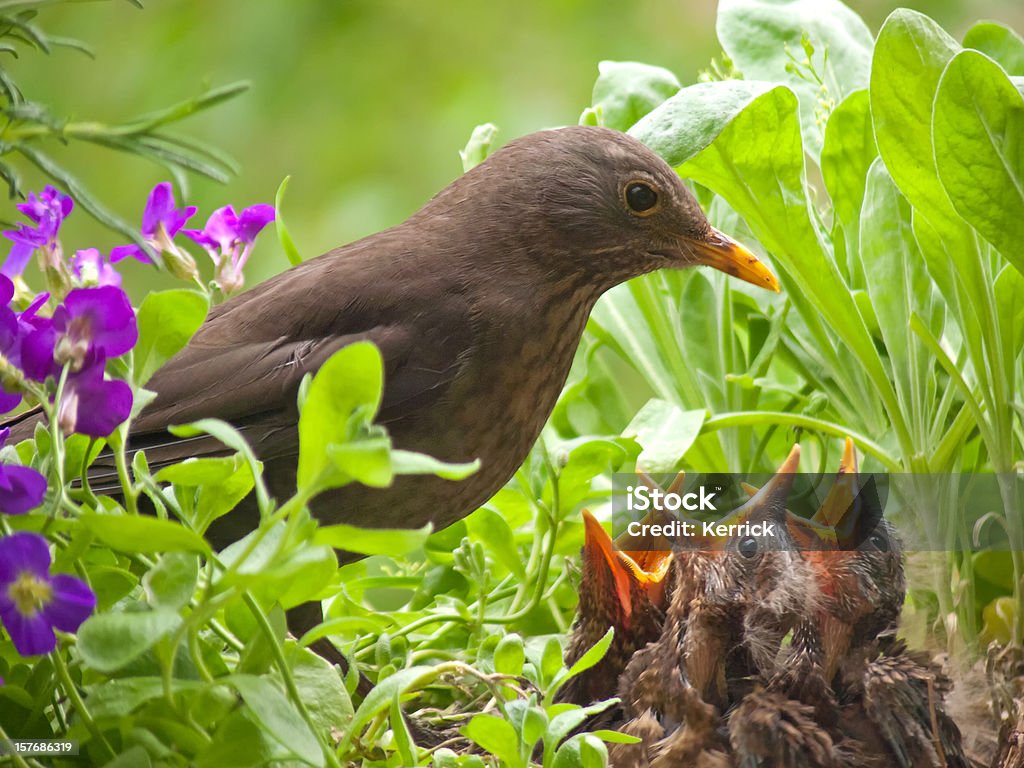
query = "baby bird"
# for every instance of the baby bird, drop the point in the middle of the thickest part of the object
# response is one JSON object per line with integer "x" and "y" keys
{"x": 621, "y": 590}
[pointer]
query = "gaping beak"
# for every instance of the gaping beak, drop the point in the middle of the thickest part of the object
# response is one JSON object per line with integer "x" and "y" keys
{"x": 720, "y": 251}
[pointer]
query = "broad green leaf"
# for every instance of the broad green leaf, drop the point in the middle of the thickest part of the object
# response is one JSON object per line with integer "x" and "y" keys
{"x": 366, "y": 461}
{"x": 278, "y": 716}
{"x": 217, "y": 499}
{"x": 136, "y": 534}
{"x": 509, "y": 655}
{"x": 322, "y": 689}
{"x": 765, "y": 40}
{"x": 373, "y": 541}
{"x": 109, "y": 641}
{"x": 232, "y": 438}
{"x": 167, "y": 321}
{"x": 1009, "y": 294}
{"x": 625, "y": 91}
{"x": 847, "y": 154}
{"x": 911, "y": 53}
{"x": 979, "y": 149}
{"x": 665, "y": 433}
{"x": 584, "y": 750}
{"x": 241, "y": 742}
{"x": 689, "y": 121}
{"x": 998, "y": 42}
{"x": 562, "y": 724}
{"x": 349, "y": 383}
{"x": 122, "y": 696}
{"x": 495, "y": 735}
{"x": 412, "y": 463}
{"x": 171, "y": 582}
{"x": 479, "y": 146}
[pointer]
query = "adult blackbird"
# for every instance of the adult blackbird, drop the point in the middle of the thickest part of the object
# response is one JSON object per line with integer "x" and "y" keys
{"x": 477, "y": 303}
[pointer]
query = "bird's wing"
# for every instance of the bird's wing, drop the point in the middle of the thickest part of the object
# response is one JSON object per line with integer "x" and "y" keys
{"x": 246, "y": 362}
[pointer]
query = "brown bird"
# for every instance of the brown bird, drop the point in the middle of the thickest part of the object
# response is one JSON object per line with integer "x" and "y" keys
{"x": 477, "y": 303}
{"x": 618, "y": 590}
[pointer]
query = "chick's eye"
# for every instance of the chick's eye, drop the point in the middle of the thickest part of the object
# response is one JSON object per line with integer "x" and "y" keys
{"x": 748, "y": 547}
{"x": 640, "y": 197}
{"x": 880, "y": 541}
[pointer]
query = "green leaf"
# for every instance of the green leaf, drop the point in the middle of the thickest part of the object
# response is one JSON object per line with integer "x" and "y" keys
{"x": 979, "y": 149}
{"x": 172, "y": 580}
{"x": 109, "y": 641}
{"x": 135, "y": 534}
{"x": 347, "y": 387}
{"x": 763, "y": 37}
{"x": 196, "y": 472}
{"x": 365, "y": 461}
{"x": 283, "y": 235}
{"x": 380, "y": 698}
{"x": 692, "y": 119}
{"x": 496, "y": 736}
{"x": 847, "y": 154}
{"x": 492, "y": 529}
{"x": 479, "y": 146}
{"x": 321, "y": 688}
{"x": 998, "y": 42}
{"x": 412, "y": 463}
{"x": 167, "y": 321}
{"x": 278, "y": 716}
{"x": 509, "y": 655}
{"x": 665, "y": 433}
{"x": 373, "y": 541}
{"x": 910, "y": 55}
{"x": 625, "y": 91}
{"x": 232, "y": 438}
{"x": 593, "y": 655}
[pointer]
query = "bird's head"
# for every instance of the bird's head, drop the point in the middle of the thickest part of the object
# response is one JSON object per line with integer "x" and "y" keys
{"x": 606, "y": 208}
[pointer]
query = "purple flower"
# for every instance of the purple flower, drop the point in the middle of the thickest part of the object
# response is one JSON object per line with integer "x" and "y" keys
{"x": 228, "y": 238}
{"x": 161, "y": 221}
{"x": 92, "y": 405}
{"x": 33, "y": 602}
{"x": 100, "y": 319}
{"x": 90, "y": 268}
{"x": 21, "y": 488}
{"x": 8, "y": 344}
{"x": 47, "y": 210}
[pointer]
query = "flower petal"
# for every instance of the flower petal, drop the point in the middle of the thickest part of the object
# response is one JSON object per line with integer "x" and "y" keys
{"x": 134, "y": 251}
{"x": 72, "y": 603}
{"x": 99, "y": 405}
{"x": 17, "y": 259}
{"x": 102, "y": 316}
{"x": 23, "y": 551}
{"x": 32, "y": 635}
{"x": 160, "y": 202}
{"x": 253, "y": 220}
{"x": 23, "y": 489}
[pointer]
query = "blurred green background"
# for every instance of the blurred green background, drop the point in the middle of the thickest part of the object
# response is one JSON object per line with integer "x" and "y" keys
{"x": 365, "y": 103}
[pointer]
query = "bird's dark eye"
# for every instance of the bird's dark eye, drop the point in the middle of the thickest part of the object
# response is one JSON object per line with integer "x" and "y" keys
{"x": 749, "y": 547}
{"x": 640, "y": 197}
{"x": 879, "y": 541}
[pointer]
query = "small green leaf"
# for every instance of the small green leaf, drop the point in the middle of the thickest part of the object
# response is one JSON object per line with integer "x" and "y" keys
{"x": 167, "y": 321}
{"x": 134, "y": 534}
{"x": 365, "y": 461}
{"x": 665, "y": 433}
{"x": 278, "y": 716}
{"x": 172, "y": 580}
{"x": 509, "y": 656}
{"x": 479, "y": 146}
{"x": 380, "y": 698}
{"x": 495, "y": 735}
{"x": 108, "y": 641}
{"x": 411, "y": 463}
{"x": 321, "y": 688}
{"x": 625, "y": 91}
{"x": 205, "y": 471}
{"x": 373, "y": 541}
{"x": 593, "y": 654}
{"x": 348, "y": 386}
{"x": 283, "y": 235}
{"x": 998, "y": 42}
